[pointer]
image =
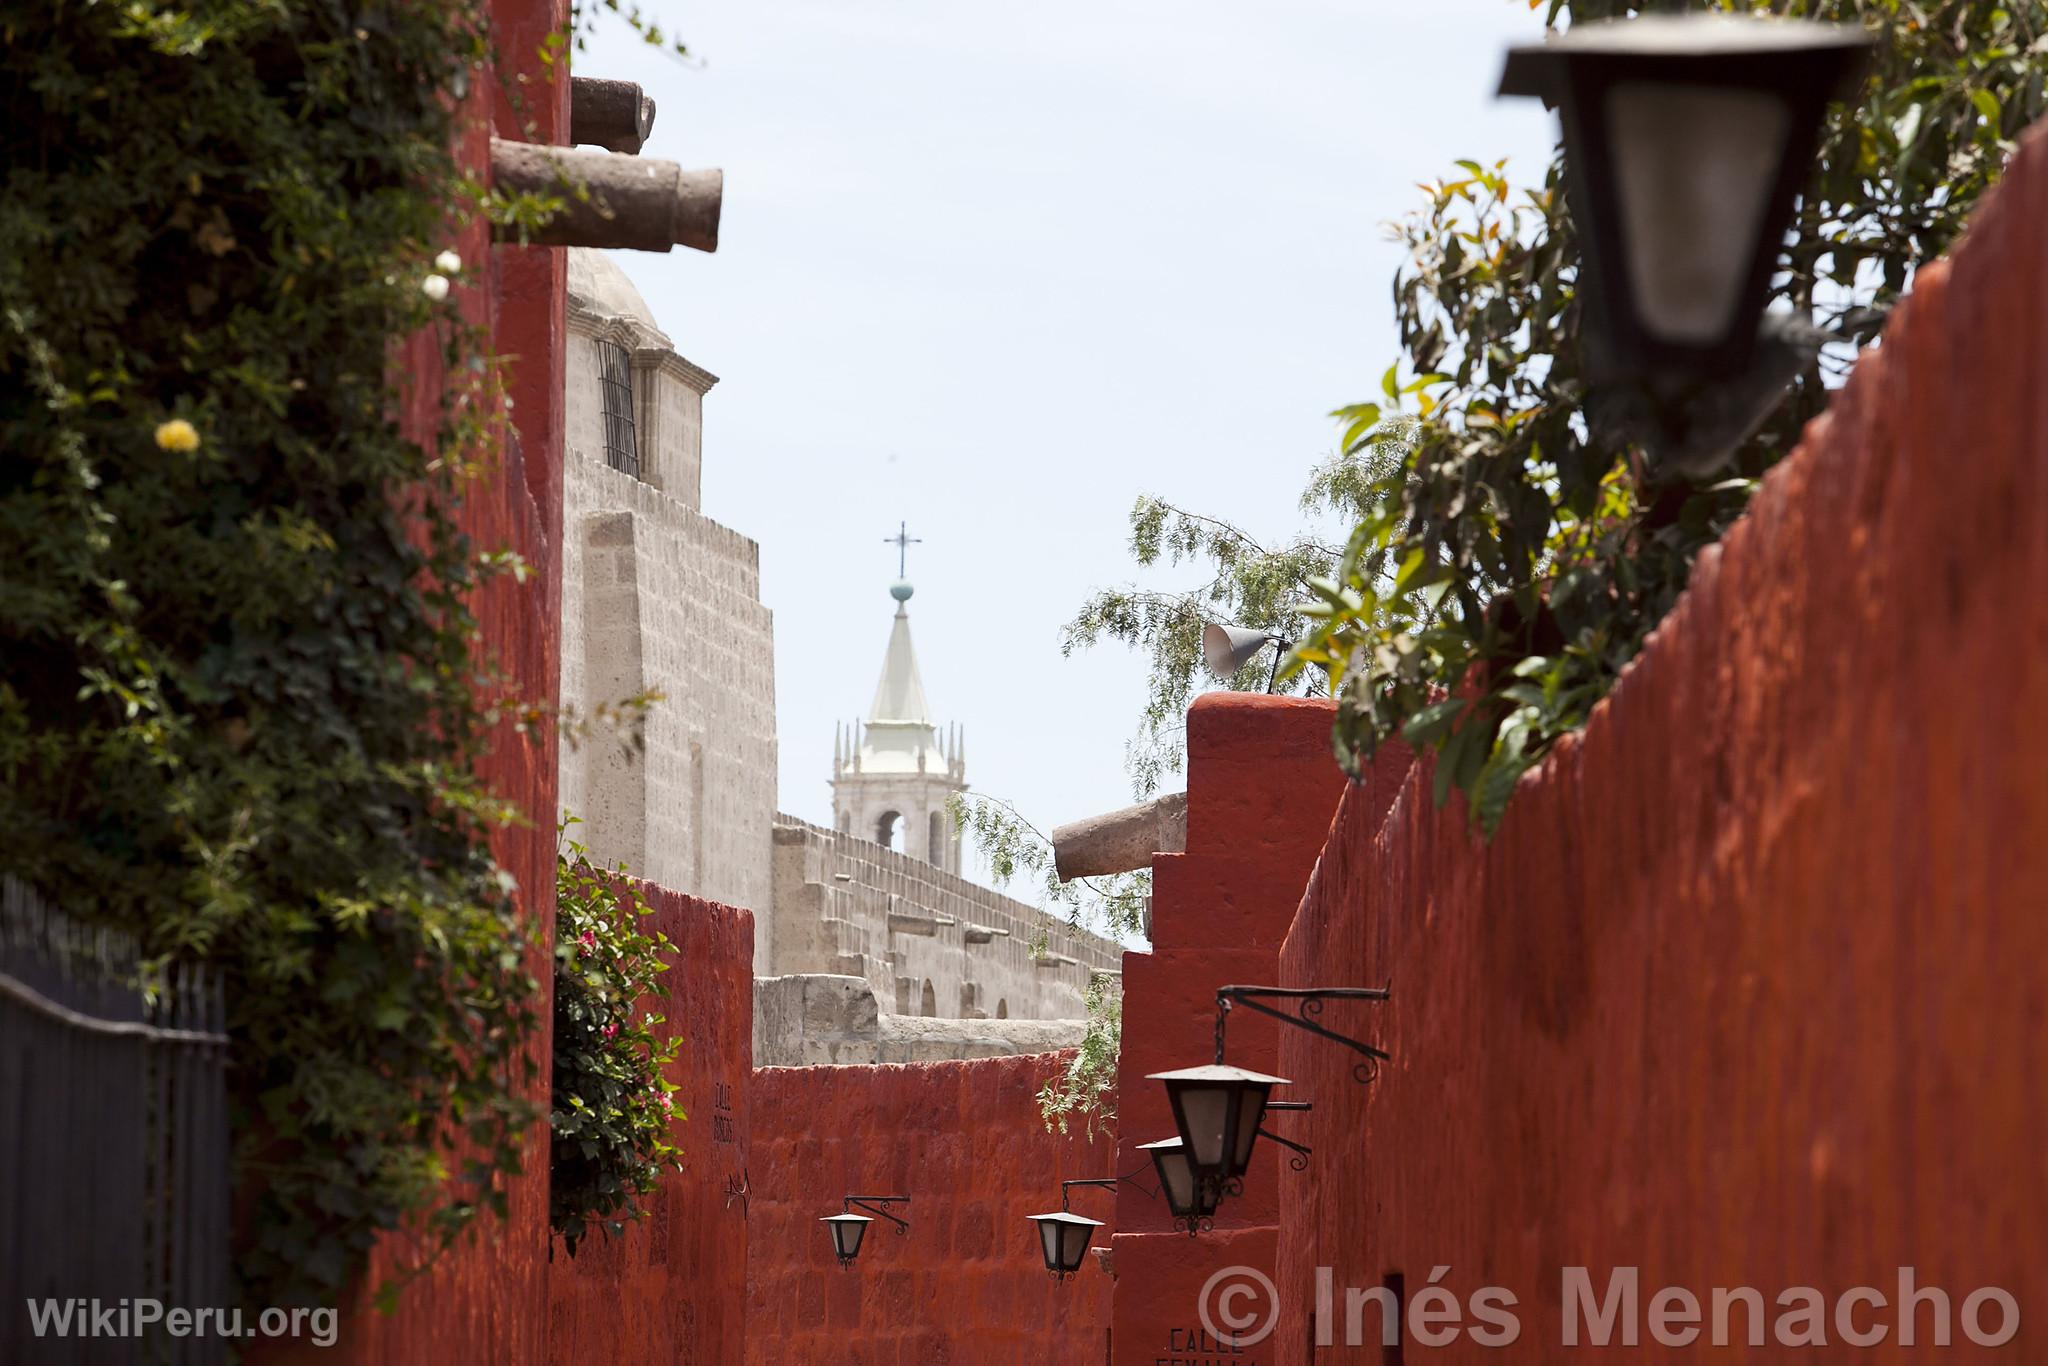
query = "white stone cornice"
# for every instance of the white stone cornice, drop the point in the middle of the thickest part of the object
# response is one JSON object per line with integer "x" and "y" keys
{"x": 665, "y": 360}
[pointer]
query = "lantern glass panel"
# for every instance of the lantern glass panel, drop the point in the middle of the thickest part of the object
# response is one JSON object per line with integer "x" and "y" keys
{"x": 1074, "y": 1239}
{"x": 1251, "y": 1108}
{"x": 1695, "y": 166}
{"x": 1205, "y": 1114}
{"x": 1176, "y": 1176}
{"x": 1049, "y": 1237}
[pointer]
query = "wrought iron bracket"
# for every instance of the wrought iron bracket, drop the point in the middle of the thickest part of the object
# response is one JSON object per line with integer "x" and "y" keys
{"x": 1302, "y": 1152}
{"x": 1105, "y": 1183}
{"x": 876, "y": 1205}
{"x": 1067, "y": 1188}
{"x": 1308, "y": 1006}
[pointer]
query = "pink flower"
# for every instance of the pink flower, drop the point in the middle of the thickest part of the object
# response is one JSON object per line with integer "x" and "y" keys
{"x": 611, "y": 1031}
{"x": 586, "y": 942}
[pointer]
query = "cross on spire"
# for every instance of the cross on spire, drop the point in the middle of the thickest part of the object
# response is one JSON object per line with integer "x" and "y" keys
{"x": 902, "y": 540}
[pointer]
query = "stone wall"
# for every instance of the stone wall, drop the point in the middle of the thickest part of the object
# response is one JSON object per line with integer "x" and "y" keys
{"x": 1748, "y": 988}
{"x": 967, "y": 1285}
{"x": 846, "y": 906}
{"x": 814, "y": 1019}
{"x": 673, "y": 1287}
{"x": 659, "y": 597}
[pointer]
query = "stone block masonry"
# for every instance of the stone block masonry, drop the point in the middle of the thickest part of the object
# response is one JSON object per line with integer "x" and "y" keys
{"x": 845, "y": 906}
{"x": 658, "y": 597}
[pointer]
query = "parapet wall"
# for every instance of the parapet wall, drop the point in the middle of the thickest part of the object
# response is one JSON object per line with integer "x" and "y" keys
{"x": 967, "y": 1285}
{"x": 1748, "y": 990}
{"x": 815, "y": 1020}
{"x": 849, "y": 907}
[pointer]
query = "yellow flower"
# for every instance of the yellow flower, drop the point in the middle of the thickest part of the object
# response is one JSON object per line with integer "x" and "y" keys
{"x": 177, "y": 435}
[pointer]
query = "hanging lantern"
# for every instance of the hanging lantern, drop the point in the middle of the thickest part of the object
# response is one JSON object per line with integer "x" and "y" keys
{"x": 1064, "y": 1239}
{"x": 1217, "y": 1109}
{"x": 1190, "y": 1200}
{"x": 1686, "y": 140}
{"x": 847, "y": 1231}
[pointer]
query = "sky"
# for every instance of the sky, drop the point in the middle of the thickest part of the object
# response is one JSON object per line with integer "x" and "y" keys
{"x": 996, "y": 271}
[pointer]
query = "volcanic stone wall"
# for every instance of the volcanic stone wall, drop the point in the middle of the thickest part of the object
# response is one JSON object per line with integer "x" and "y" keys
{"x": 967, "y": 1286}
{"x": 1749, "y": 988}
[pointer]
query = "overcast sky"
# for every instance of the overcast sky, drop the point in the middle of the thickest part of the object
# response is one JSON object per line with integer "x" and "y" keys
{"x": 996, "y": 271}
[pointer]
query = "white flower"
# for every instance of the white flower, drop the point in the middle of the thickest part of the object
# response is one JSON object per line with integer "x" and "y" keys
{"x": 448, "y": 263}
{"x": 436, "y": 287}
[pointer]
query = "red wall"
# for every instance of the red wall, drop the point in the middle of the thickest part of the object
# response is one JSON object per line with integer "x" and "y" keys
{"x": 1749, "y": 989}
{"x": 673, "y": 1289}
{"x": 1261, "y": 791}
{"x": 968, "y": 1285}
{"x": 486, "y": 1297}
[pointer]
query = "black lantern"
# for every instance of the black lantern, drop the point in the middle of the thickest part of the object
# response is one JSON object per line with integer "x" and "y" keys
{"x": 847, "y": 1231}
{"x": 848, "y": 1228}
{"x": 1217, "y": 1109}
{"x": 1064, "y": 1239}
{"x": 1190, "y": 1200}
{"x": 1686, "y": 140}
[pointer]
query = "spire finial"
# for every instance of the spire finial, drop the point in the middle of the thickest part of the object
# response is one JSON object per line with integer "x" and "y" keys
{"x": 902, "y": 540}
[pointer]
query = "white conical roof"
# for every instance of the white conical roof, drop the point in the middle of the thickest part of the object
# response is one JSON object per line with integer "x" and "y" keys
{"x": 900, "y": 736}
{"x": 900, "y": 694}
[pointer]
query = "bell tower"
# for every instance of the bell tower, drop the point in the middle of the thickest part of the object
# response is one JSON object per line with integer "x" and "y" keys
{"x": 892, "y": 774}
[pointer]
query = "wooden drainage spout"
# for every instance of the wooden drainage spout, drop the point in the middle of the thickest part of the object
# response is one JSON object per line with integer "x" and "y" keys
{"x": 617, "y": 115}
{"x": 610, "y": 200}
{"x": 1121, "y": 841}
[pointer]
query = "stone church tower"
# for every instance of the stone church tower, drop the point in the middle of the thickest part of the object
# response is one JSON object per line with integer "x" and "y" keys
{"x": 891, "y": 776}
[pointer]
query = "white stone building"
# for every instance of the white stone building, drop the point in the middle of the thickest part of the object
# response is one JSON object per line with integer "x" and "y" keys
{"x": 893, "y": 775}
{"x": 868, "y": 944}
{"x": 657, "y": 597}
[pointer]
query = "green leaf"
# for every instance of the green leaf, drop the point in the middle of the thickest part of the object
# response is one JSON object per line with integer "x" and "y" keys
{"x": 1429, "y": 724}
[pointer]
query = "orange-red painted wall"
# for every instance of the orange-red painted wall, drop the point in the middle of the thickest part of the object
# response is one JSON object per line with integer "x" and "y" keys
{"x": 673, "y": 1288}
{"x": 1750, "y": 987}
{"x": 1262, "y": 788}
{"x": 967, "y": 1286}
{"x": 486, "y": 1297}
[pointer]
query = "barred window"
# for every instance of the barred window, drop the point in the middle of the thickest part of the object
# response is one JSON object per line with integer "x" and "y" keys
{"x": 615, "y": 376}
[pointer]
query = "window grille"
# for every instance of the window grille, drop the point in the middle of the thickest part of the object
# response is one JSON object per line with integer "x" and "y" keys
{"x": 615, "y": 376}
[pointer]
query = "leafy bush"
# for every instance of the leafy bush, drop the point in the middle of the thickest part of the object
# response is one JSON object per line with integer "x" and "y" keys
{"x": 1085, "y": 1093}
{"x": 238, "y": 701}
{"x": 612, "y": 1104}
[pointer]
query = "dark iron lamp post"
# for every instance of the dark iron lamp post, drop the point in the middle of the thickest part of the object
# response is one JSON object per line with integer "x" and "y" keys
{"x": 848, "y": 1228}
{"x": 1686, "y": 140}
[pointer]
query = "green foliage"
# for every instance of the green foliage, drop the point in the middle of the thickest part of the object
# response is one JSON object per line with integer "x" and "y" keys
{"x": 238, "y": 673}
{"x": 1249, "y": 584}
{"x": 1085, "y": 1093}
{"x": 613, "y": 1105}
{"x": 1014, "y": 847}
{"x": 1504, "y": 574}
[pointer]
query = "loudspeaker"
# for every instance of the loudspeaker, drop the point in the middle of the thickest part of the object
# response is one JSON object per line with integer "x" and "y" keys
{"x": 1227, "y": 649}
